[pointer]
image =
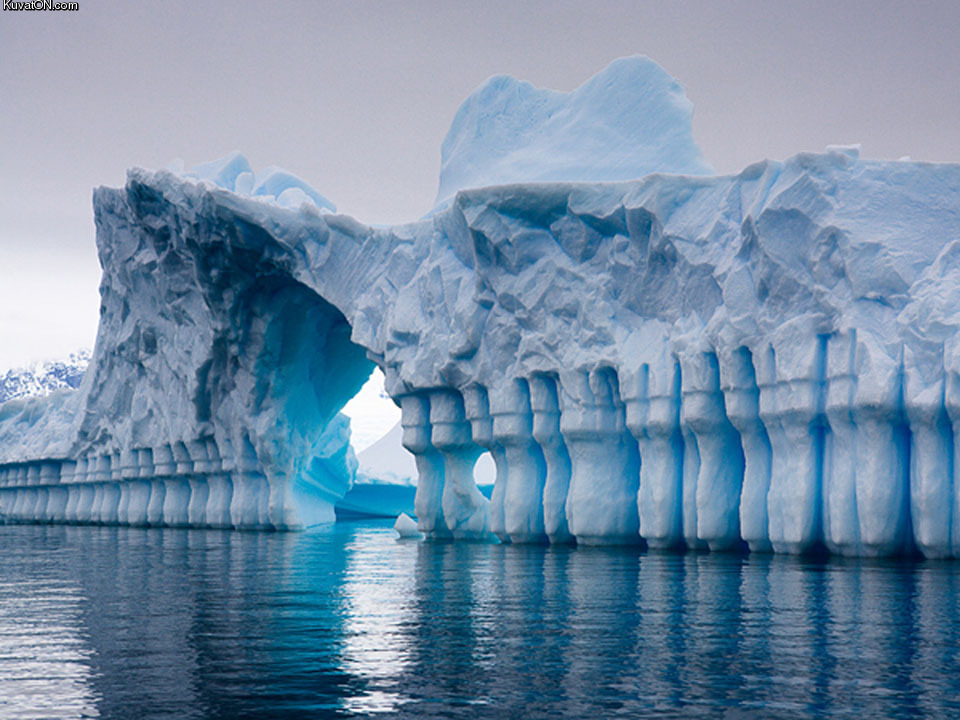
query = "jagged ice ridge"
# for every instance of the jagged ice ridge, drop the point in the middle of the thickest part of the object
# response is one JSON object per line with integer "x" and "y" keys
{"x": 768, "y": 358}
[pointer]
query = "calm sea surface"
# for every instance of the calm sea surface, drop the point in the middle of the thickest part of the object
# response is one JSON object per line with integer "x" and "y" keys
{"x": 347, "y": 622}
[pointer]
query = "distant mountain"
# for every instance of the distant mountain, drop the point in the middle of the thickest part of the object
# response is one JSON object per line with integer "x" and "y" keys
{"x": 43, "y": 378}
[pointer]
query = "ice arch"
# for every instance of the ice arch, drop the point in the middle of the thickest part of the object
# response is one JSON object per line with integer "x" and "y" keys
{"x": 214, "y": 392}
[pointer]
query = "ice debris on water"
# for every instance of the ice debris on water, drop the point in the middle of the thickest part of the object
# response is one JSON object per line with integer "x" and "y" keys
{"x": 406, "y": 527}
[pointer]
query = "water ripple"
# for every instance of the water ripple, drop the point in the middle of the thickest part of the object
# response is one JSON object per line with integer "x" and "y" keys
{"x": 347, "y": 622}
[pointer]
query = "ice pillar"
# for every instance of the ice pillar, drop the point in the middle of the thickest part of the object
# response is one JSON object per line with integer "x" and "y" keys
{"x": 428, "y": 503}
{"x": 742, "y": 403}
{"x": 526, "y": 468}
{"x": 477, "y": 408}
{"x": 652, "y": 397}
{"x": 546, "y": 431}
{"x": 719, "y": 480}
{"x": 882, "y": 453}
{"x": 790, "y": 379}
{"x": 603, "y": 458}
{"x": 841, "y": 527}
{"x": 932, "y": 456}
{"x": 465, "y": 509}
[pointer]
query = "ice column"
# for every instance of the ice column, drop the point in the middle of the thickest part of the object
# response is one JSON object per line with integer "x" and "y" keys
{"x": 73, "y": 491}
{"x": 931, "y": 456}
{"x": 790, "y": 379}
{"x": 477, "y": 408}
{"x": 603, "y": 458}
{"x": 281, "y": 512}
{"x": 882, "y": 453}
{"x": 166, "y": 464}
{"x": 110, "y": 499}
{"x": 742, "y": 402}
{"x": 465, "y": 509}
{"x": 219, "y": 487}
{"x": 841, "y": 528}
{"x": 415, "y": 421}
{"x": 176, "y": 497}
{"x": 546, "y": 431}
{"x": 135, "y": 493}
{"x": 249, "y": 501}
{"x": 720, "y": 473}
{"x": 129, "y": 468}
{"x": 197, "y": 482}
{"x": 652, "y": 397}
{"x": 688, "y": 484}
{"x": 526, "y": 469}
{"x": 59, "y": 495}
{"x": 952, "y": 403}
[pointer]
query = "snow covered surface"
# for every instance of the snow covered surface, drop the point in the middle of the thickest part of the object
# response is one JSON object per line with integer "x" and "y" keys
{"x": 768, "y": 358}
{"x": 44, "y": 378}
{"x": 273, "y": 185}
{"x": 629, "y": 120}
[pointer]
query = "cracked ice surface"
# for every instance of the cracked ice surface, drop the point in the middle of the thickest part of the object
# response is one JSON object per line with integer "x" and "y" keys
{"x": 767, "y": 358}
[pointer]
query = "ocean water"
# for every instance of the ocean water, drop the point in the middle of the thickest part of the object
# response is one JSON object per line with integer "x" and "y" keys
{"x": 345, "y": 621}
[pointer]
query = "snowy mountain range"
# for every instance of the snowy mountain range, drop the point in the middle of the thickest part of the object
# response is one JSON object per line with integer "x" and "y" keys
{"x": 45, "y": 377}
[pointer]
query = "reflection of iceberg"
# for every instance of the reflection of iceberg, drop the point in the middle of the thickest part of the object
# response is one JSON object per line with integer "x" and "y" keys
{"x": 44, "y": 661}
{"x": 769, "y": 358}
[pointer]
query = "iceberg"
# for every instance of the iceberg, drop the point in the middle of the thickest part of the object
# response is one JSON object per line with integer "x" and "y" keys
{"x": 766, "y": 360}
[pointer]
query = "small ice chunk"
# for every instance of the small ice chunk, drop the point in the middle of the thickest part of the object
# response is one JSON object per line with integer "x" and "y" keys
{"x": 274, "y": 181}
{"x": 293, "y": 198}
{"x": 222, "y": 172}
{"x": 244, "y": 183}
{"x": 851, "y": 151}
{"x": 406, "y": 527}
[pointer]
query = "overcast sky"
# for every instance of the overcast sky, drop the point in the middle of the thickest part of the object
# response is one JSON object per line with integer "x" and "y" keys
{"x": 356, "y": 96}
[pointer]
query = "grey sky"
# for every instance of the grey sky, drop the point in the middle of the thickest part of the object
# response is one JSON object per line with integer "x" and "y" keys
{"x": 356, "y": 96}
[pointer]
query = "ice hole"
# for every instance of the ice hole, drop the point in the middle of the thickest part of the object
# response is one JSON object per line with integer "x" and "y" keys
{"x": 484, "y": 473}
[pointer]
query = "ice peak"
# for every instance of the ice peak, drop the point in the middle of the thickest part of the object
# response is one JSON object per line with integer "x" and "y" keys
{"x": 629, "y": 120}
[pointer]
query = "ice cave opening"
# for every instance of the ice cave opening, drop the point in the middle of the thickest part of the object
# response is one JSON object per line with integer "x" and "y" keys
{"x": 287, "y": 357}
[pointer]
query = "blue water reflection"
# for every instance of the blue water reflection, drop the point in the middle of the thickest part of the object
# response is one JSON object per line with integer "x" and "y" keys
{"x": 346, "y": 622}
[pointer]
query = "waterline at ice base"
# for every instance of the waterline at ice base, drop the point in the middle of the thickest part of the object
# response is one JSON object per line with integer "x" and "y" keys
{"x": 650, "y": 352}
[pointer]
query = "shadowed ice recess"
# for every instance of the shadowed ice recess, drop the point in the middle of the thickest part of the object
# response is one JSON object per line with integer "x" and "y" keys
{"x": 767, "y": 359}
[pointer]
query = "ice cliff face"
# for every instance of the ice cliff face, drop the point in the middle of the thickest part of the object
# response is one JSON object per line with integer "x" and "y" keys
{"x": 769, "y": 358}
{"x": 208, "y": 373}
